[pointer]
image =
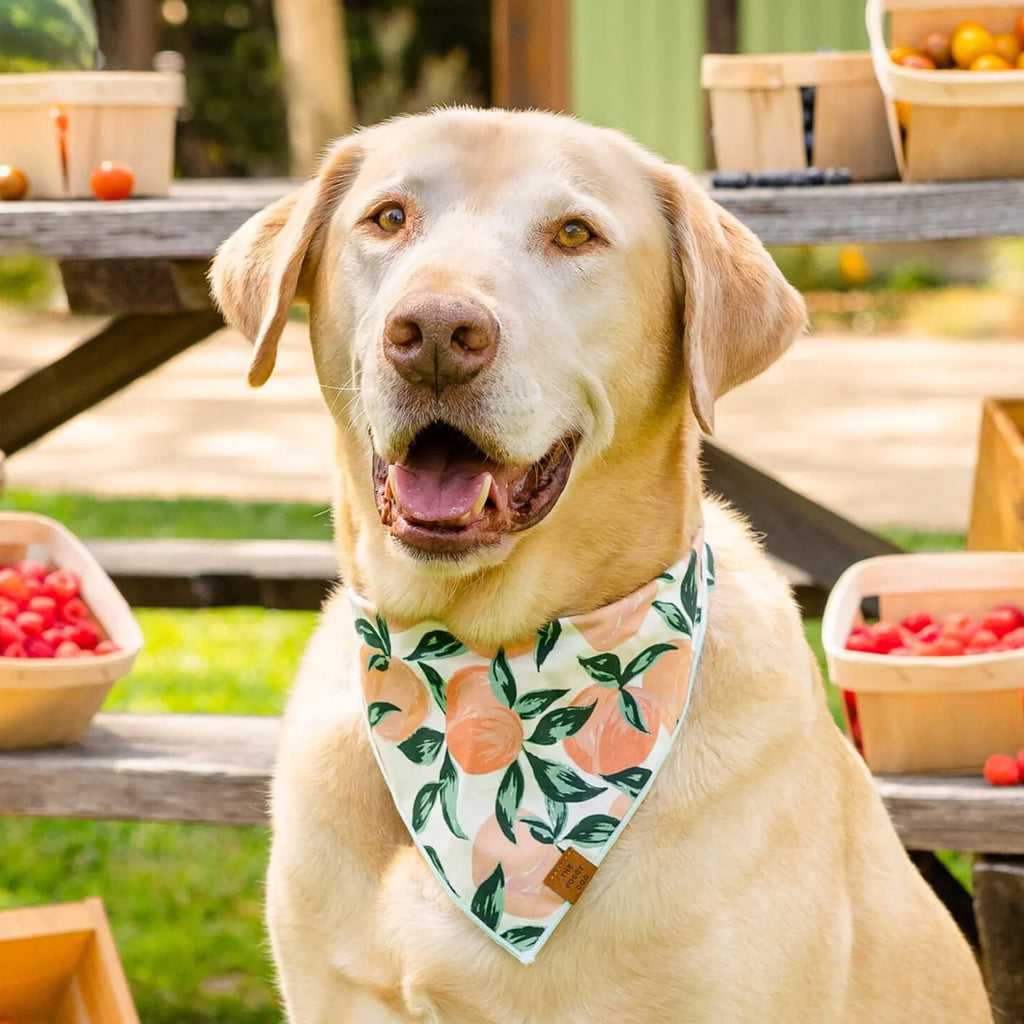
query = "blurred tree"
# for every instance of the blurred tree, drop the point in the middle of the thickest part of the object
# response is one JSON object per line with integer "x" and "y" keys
{"x": 40, "y": 35}
{"x": 317, "y": 78}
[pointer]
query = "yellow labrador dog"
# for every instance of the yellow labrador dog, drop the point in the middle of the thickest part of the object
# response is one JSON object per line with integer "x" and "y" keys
{"x": 520, "y": 325}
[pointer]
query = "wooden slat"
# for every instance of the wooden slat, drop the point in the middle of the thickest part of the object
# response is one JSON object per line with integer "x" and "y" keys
{"x": 530, "y": 48}
{"x": 199, "y": 215}
{"x": 796, "y": 530}
{"x": 215, "y": 768}
{"x": 126, "y": 349}
{"x": 290, "y": 574}
{"x": 136, "y": 286}
{"x": 189, "y": 768}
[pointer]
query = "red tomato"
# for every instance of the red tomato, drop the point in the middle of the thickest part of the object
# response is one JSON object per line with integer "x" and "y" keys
{"x": 37, "y": 647}
{"x": 982, "y": 640}
{"x": 948, "y": 647}
{"x": 46, "y": 607}
{"x": 31, "y": 623}
{"x": 61, "y": 585}
{"x": 74, "y": 610}
{"x": 916, "y": 621}
{"x": 31, "y": 570}
{"x": 900, "y": 652}
{"x": 83, "y": 634}
{"x": 10, "y": 633}
{"x": 1003, "y": 619}
{"x": 929, "y": 634}
{"x": 106, "y": 647}
{"x": 112, "y": 180}
{"x": 13, "y": 586}
{"x": 886, "y": 636}
{"x": 1001, "y": 770}
{"x": 1015, "y": 640}
{"x": 861, "y": 642}
{"x": 15, "y": 650}
{"x": 67, "y": 649}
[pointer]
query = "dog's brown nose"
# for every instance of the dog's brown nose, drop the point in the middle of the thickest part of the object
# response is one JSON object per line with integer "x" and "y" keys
{"x": 439, "y": 338}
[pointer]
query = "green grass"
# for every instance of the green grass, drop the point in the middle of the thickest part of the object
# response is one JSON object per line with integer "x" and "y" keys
{"x": 185, "y": 901}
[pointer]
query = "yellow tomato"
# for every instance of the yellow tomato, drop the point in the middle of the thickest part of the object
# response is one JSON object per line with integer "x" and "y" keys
{"x": 1020, "y": 62}
{"x": 971, "y": 41}
{"x": 936, "y": 48}
{"x": 1008, "y": 46}
{"x": 991, "y": 62}
{"x": 898, "y": 53}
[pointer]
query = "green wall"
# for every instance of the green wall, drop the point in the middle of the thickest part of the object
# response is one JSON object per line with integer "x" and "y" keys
{"x": 635, "y": 64}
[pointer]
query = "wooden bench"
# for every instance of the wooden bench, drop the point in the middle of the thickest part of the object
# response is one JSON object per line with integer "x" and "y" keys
{"x": 215, "y": 769}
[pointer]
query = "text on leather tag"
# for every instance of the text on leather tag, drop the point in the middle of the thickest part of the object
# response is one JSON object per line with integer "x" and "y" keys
{"x": 570, "y": 875}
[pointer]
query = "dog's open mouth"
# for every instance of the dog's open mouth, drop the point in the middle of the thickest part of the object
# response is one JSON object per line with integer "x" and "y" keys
{"x": 446, "y": 495}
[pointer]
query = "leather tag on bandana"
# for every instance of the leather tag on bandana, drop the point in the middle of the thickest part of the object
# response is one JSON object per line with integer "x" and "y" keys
{"x": 571, "y": 875}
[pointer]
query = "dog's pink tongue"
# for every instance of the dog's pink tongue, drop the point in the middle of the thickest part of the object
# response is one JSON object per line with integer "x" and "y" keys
{"x": 437, "y": 489}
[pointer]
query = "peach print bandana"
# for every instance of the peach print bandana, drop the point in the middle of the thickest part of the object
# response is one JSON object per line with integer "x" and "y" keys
{"x": 516, "y": 770}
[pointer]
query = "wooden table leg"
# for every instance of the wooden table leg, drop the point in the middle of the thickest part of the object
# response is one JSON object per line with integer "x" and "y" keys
{"x": 999, "y": 909}
{"x": 796, "y": 530}
{"x": 127, "y": 348}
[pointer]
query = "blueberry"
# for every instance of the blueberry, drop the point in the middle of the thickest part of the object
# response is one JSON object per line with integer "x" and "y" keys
{"x": 815, "y": 176}
{"x": 838, "y": 176}
{"x": 772, "y": 179}
{"x": 731, "y": 179}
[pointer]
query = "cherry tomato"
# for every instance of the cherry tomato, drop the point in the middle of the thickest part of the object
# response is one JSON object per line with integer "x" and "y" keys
{"x": 13, "y": 183}
{"x": 111, "y": 180}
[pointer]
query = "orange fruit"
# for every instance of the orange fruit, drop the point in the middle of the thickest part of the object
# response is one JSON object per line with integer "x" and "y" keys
{"x": 971, "y": 41}
{"x": 936, "y": 47}
{"x": 918, "y": 60}
{"x": 991, "y": 62}
{"x": 1020, "y": 29}
{"x": 524, "y": 863}
{"x": 898, "y": 53}
{"x": 399, "y": 685}
{"x": 903, "y": 114}
{"x": 608, "y": 627}
{"x": 1008, "y": 47}
{"x": 607, "y": 743}
{"x": 483, "y": 735}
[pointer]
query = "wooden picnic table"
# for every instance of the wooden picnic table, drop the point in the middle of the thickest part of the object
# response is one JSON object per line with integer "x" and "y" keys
{"x": 143, "y": 263}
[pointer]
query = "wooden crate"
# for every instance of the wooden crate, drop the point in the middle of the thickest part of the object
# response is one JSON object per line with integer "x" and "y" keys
{"x": 923, "y": 714}
{"x": 59, "y": 965}
{"x": 50, "y": 701}
{"x": 997, "y": 508}
{"x": 111, "y": 115}
{"x": 962, "y": 125}
{"x": 757, "y": 113}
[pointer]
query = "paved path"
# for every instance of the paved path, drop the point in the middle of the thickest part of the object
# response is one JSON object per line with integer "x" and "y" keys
{"x": 883, "y": 430}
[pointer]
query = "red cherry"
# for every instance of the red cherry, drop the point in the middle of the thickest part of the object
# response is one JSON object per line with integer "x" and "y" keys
{"x": 1001, "y": 770}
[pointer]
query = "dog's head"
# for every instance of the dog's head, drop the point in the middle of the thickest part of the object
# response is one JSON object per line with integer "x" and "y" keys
{"x": 507, "y": 311}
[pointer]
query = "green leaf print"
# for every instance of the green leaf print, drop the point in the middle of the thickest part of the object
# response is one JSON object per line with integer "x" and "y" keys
{"x": 378, "y": 662}
{"x": 423, "y": 746}
{"x": 594, "y": 830}
{"x": 370, "y": 636}
{"x": 384, "y": 633}
{"x": 503, "y": 683}
{"x": 523, "y": 937}
{"x": 547, "y": 637}
{"x": 688, "y": 589}
{"x": 378, "y": 709}
{"x": 436, "y": 861}
{"x": 530, "y": 705}
{"x": 672, "y": 617}
{"x": 644, "y": 660}
{"x": 665, "y": 577}
{"x": 438, "y": 643}
{"x": 560, "y": 724}
{"x": 558, "y": 812}
{"x": 436, "y": 684}
{"x": 539, "y": 829}
{"x": 709, "y": 569}
{"x": 489, "y": 900}
{"x": 559, "y": 781}
{"x": 424, "y": 804}
{"x": 631, "y": 781}
{"x": 510, "y": 796}
{"x": 605, "y": 669}
{"x": 449, "y": 782}
{"x": 631, "y": 711}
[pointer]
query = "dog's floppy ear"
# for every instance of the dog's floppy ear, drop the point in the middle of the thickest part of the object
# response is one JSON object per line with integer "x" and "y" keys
{"x": 740, "y": 314}
{"x": 258, "y": 272}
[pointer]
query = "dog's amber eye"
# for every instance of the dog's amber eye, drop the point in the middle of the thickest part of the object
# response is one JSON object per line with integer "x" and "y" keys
{"x": 572, "y": 234}
{"x": 391, "y": 218}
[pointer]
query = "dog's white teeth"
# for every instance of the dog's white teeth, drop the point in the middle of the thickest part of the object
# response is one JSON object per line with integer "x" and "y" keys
{"x": 389, "y": 484}
{"x": 478, "y": 506}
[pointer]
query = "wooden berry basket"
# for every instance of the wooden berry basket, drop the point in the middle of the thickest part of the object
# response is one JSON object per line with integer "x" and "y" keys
{"x": 59, "y": 965}
{"x": 928, "y": 714}
{"x": 757, "y": 113}
{"x": 963, "y": 124}
{"x": 51, "y": 701}
{"x": 997, "y": 508}
{"x": 111, "y": 115}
